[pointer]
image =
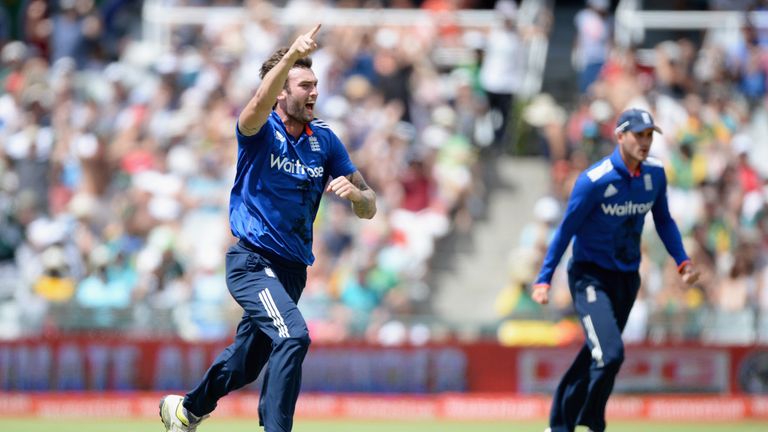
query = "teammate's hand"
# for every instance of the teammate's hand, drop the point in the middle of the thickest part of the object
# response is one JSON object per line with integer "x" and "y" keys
{"x": 540, "y": 293}
{"x": 344, "y": 188}
{"x": 689, "y": 274}
{"x": 305, "y": 44}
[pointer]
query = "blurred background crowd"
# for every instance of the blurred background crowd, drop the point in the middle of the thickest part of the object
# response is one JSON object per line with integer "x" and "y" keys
{"x": 707, "y": 91}
{"x": 117, "y": 156}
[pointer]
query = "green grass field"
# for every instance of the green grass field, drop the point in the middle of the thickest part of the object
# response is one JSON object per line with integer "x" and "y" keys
{"x": 35, "y": 425}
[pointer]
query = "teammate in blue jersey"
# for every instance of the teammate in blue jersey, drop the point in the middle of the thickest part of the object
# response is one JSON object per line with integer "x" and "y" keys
{"x": 285, "y": 159}
{"x": 605, "y": 216}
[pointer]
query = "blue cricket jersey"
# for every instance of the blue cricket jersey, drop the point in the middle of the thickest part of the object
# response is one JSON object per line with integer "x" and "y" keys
{"x": 279, "y": 183}
{"x": 606, "y": 213}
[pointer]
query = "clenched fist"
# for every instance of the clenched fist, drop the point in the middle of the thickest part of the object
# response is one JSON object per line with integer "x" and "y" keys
{"x": 344, "y": 188}
{"x": 540, "y": 293}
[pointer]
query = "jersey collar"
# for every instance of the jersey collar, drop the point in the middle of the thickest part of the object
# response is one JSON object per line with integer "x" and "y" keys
{"x": 307, "y": 129}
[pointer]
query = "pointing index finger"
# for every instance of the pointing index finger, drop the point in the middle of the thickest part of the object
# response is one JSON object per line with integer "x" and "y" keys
{"x": 314, "y": 31}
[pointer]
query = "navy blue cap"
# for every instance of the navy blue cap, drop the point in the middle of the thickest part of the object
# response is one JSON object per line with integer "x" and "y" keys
{"x": 635, "y": 120}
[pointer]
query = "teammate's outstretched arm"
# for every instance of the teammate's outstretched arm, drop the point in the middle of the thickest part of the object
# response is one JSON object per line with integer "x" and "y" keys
{"x": 354, "y": 188}
{"x": 255, "y": 113}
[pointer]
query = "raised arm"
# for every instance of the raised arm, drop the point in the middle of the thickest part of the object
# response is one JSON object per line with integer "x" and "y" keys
{"x": 256, "y": 112}
{"x": 354, "y": 188}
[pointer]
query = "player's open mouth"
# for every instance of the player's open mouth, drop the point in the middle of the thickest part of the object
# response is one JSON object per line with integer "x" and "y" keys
{"x": 310, "y": 106}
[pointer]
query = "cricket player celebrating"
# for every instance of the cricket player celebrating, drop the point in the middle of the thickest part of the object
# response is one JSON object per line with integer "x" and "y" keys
{"x": 286, "y": 159}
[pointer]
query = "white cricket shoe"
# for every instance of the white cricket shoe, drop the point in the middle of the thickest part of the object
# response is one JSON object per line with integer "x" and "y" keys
{"x": 175, "y": 417}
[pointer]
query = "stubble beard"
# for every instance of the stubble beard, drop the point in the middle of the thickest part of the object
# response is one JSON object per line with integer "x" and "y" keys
{"x": 297, "y": 112}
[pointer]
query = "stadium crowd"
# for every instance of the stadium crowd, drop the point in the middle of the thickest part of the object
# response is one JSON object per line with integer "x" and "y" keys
{"x": 711, "y": 103}
{"x": 117, "y": 158}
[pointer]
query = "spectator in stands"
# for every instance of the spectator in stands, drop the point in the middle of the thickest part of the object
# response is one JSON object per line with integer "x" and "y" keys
{"x": 746, "y": 61}
{"x": 55, "y": 284}
{"x": 37, "y": 26}
{"x": 66, "y": 31}
{"x": 593, "y": 40}
{"x": 417, "y": 183}
{"x": 107, "y": 289}
{"x": 739, "y": 288}
{"x": 674, "y": 63}
{"x": 503, "y": 68}
{"x": 548, "y": 119}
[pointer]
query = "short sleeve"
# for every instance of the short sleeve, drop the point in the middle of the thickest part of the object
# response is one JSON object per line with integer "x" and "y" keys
{"x": 339, "y": 163}
{"x": 246, "y": 142}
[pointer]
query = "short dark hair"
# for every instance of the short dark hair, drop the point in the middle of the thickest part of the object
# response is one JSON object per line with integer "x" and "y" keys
{"x": 304, "y": 62}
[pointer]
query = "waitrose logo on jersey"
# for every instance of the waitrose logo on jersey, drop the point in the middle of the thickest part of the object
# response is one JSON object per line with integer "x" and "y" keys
{"x": 627, "y": 209}
{"x": 293, "y": 166}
